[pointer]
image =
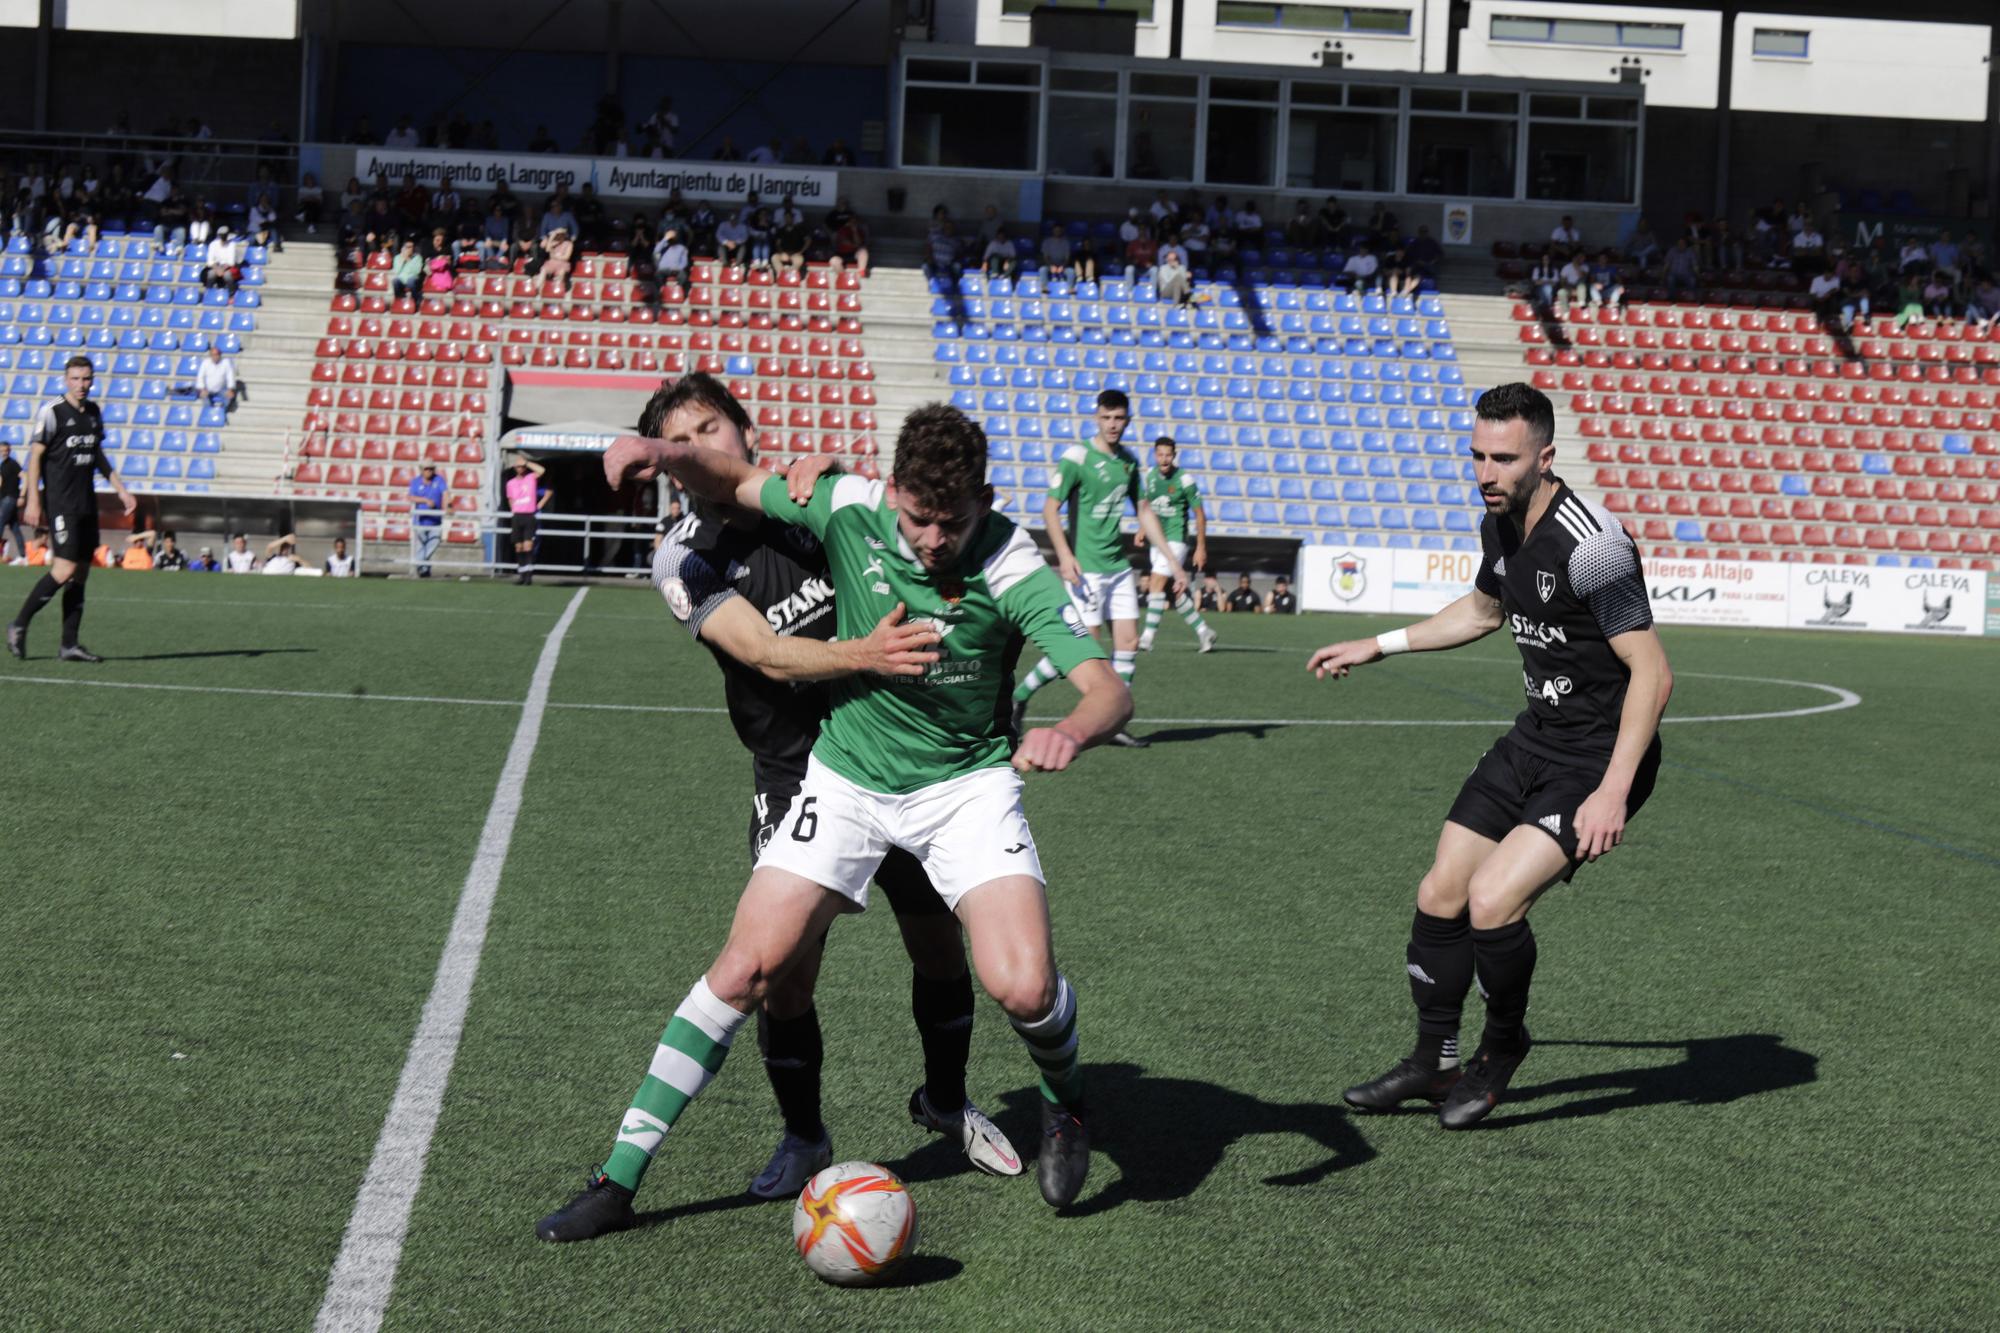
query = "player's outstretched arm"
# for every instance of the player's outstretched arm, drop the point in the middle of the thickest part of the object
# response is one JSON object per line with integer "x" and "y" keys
{"x": 706, "y": 472}
{"x": 1104, "y": 709}
{"x": 1052, "y": 524}
{"x": 126, "y": 499}
{"x": 1600, "y": 820}
{"x": 1471, "y": 617}
{"x": 895, "y": 647}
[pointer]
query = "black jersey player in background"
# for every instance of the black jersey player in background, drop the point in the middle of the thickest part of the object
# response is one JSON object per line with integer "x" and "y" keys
{"x": 65, "y": 457}
{"x": 1564, "y": 578}
{"x": 757, "y": 595}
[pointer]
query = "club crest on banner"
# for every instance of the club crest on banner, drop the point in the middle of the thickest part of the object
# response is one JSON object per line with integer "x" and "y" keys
{"x": 1350, "y": 576}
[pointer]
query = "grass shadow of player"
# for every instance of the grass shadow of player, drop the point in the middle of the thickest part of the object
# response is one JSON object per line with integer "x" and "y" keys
{"x": 212, "y": 652}
{"x": 1254, "y": 730}
{"x": 1162, "y": 1136}
{"x": 1716, "y": 1070}
{"x": 721, "y": 1203}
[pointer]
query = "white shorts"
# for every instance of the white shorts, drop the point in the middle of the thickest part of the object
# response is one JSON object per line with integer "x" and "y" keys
{"x": 1102, "y": 597}
{"x": 1159, "y": 558}
{"x": 964, "y": 831}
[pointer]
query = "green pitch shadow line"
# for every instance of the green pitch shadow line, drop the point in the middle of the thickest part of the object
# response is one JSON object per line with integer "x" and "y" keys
{"x": 1833, "y": 812}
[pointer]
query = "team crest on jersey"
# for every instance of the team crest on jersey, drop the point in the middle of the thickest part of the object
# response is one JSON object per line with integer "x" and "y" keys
{"x": 1350, "y": 576}
{"x": 1545, "y": 584}
{"x": 952, "y": 590}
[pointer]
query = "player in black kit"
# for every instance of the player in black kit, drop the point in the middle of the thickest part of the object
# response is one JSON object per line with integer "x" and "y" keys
{"x": 757, "y": 595}
{"x": 1562, "y": 575}
{"x": 65, "y": 456}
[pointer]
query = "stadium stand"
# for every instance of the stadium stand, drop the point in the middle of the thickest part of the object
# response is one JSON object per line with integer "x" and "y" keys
{"x": 142, "y": 315}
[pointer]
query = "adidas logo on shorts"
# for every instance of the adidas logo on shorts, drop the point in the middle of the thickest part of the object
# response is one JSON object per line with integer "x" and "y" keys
{"x": 1553, "y": 823}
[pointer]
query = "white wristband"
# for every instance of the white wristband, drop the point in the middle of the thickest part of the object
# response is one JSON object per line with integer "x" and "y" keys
{"x": 1395, "y": 641}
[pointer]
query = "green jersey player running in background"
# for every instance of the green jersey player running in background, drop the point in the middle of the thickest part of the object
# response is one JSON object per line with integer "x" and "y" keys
{"x": 1173, "y": 497}
{"x": 1099, "y": 479}
{"x": 917, "y": 762}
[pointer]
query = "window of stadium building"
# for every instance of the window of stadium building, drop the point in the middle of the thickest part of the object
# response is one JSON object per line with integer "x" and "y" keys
{"x": 1242, "y": 131}
{"x": 1341, "y": 137}
{"x": 1585, "y": 32}
{"x": 1160, "y": 127}
{"x": 973, "y": 115}
{"x": 1468, "y": 151}
{"x": 1780, "y": 43}
{"x": 1083, "y": 122}
{"x": 1312, "y": 17}
{"x": 1024, "y": 8}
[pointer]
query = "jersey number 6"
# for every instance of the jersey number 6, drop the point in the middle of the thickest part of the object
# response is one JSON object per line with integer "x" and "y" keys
{"x": 807, "y": 824}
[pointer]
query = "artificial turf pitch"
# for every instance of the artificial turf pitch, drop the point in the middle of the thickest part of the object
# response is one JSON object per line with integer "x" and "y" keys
{"x": 1760, "y": 1096}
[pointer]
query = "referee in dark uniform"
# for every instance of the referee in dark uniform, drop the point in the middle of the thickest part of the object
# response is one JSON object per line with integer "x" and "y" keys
{"x": 65, "y": 456}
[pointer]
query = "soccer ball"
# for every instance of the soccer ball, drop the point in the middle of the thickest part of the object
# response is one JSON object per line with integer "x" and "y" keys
{"x": 854, "y": 1224}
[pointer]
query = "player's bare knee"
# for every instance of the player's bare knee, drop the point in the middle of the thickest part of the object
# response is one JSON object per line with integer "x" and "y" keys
{"x": 1441, "y": 893}
{"x": 1491, "y": 899}
{"x": 739, "y": 979}
{"x": 1026, "y": 991}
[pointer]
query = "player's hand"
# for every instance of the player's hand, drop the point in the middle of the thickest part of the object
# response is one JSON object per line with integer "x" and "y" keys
{"x": 1200, "y": 556}
{"x": 1066, "y": 566}
{"x": 31, "y": 515}
{"x": 801, "y": 476}
{"x": 1180, "y": 585}
{"x": 631, "y": 458}
{"x": 130, "y": 501}
{"x": 1045, "y": 750}
{"x": 1336, "y": 659}
{"x": 895, "y": 647}
{"x": 1600, "y": 824}
{"x": 1139, "y": 540}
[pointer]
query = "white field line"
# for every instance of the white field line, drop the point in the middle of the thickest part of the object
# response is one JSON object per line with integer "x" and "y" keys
{"x": 364, "y": 1273}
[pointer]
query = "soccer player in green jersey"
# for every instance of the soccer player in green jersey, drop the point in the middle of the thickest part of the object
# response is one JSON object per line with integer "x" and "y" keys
{"x": 1099, "y": 479}
{"x": 916, "y": 762}
{"x": 1172, "y": 495}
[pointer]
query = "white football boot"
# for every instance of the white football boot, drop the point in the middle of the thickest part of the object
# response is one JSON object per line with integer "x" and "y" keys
{"x": 985, "y": 1146}
{"x": 1208, "y": 639}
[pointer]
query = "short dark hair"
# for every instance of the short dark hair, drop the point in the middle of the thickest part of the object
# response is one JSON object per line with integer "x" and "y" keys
{"x": 1521, "y": 402}
{"x": 1114, "y": 399}
{"x": 940, "y": 456}
{"x": 1167, "y": 440}
{"x": 78, "y": 360}
{"x": 697, "y": 387}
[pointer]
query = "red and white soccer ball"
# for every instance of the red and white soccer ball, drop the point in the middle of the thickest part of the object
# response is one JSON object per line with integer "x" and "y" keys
{"x": 854, "y": 1224}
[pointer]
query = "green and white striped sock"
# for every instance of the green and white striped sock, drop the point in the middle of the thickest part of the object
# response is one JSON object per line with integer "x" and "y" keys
{"x": 1191, "y": 613}
{"x": 1052, "y": 1044}
{"x": 690, "y": 1051}
{"x": 1044, "y": 672}
{"x": 1156, "y": 607}
{"x": 1126, "y": 663}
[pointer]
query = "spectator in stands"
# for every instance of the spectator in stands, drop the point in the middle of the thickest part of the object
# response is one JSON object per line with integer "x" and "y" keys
{"x": 941, "y": 255}
{"x": 1330, "y": 225}
{"x": 1855, "y": 289}
{"x": 1574, "y": 277}
{"x": 732, "y": 240}
{"x": 339, "y": 565}
{"x": 1938, "y": 303}
{"x": 837, "y": 154}
{"x": 1384, "y": 227}
{"x": 281, "y": 555}
{"x": 215, "y": 380}
{"x": 1242, "y": 597}
{"x": 496, "y": 238}
{"x": 1984, "y": 306}
{"x": 1141, "y": 253}
{"x": 204, "y": 562}
{"x": 1281, "y": 602}
{"x": 1055, "y": 252}
{"x": 765, "y": 154}
{"x": 1210, "y": 597}
{"x": 1164, "y": 212}
{"x": 1727, "y": 245}
{"x": 1083, "y": 258}
{"x": 1421, "y": 258}
{"x": 789, "y": 242}
{"x": 1249, "y": 226}
{"x": 560, "y": 252}
{"x": 670, "y": 259}
{"x": 1826, "y": 296}
{"x": 413, "y": 205}
{"x": 1194, "y": 237}
{"x": 1909, "y": 299}
{"x": 760, "y": 239}
{"x": 1808, "y": 246}
{"x": 1394, "y": 265}
{"x": 727, "y": 151}
{"x": 169, "y": 558}
{"x": 990, "y": 222}
{"x": 998, "y": 259}
{"x": 1543, "y": 279}
{"x": 10, "y": 504}
{"x": 1915, "y": 255}
{"x": 427, "y": 500}
{"x": 590, "y": 230}
{"x": 445, "y": 200}
{"x": 1301, "y": 227}
{"x": 201, "y": 224}
{"x": 1172, "y": 278}
{"x": 406, "y": 275}
{"x": 138, "y": 555}
{"x": 1682, "y": 271}
{"x": 1606, "y": 290}
{"x": 263, "y": 225}
{"x": 239, "y": 559}
{"x": 850, "y": 240}
{"x": 556, "y": 215}
{"x": 312, "y": 203}
{"x": 404, "y": 136}
{"x": 220, "y": 268}
{"x": 170, "y": 219}
{"x": 1566, "y": 236}
{"x": 1362, "y": 269}
{"x": 1945, "y": 256}
{"x": 438, "y": 278}
{"x": 1643, "y": 248}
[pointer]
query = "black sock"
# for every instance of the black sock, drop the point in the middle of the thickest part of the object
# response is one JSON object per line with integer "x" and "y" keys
{"x": 943, "y": 1010}
{"x": 792, "y": 1058}
{"x": 1506, "y": 960}
{"x": 1440, "y": 968}
{"x": 72, "y": 611}
{"x": 39, "y": 596}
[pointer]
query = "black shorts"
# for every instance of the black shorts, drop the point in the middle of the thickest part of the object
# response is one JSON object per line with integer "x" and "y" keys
{"x": 524, "y": 529}
{"x": 73, "y": 537}
{"x": 1512, "y": 786}
{"x": 900, "y": 876}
